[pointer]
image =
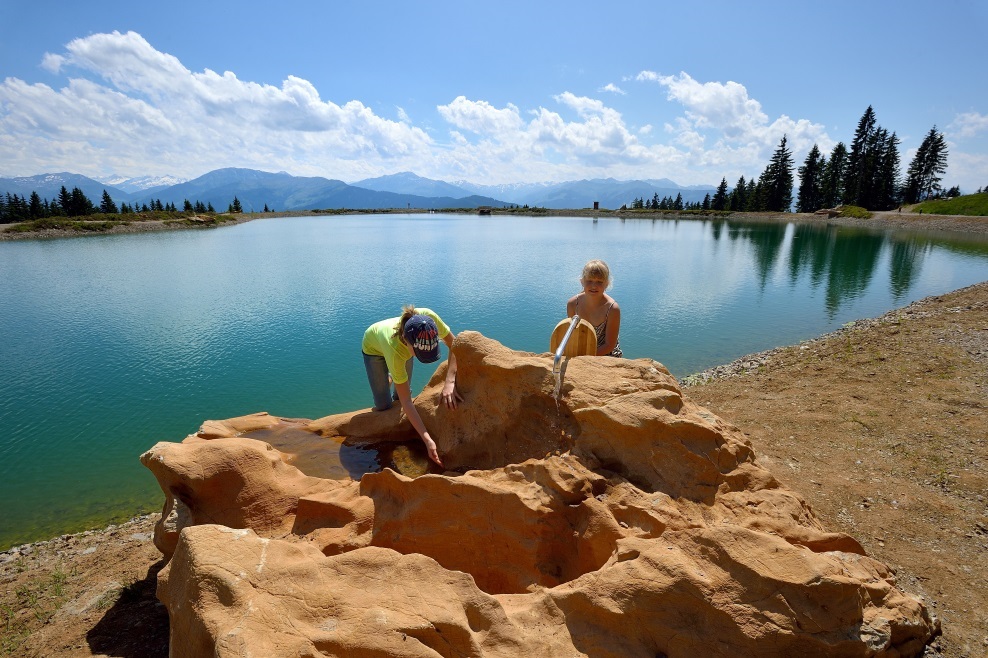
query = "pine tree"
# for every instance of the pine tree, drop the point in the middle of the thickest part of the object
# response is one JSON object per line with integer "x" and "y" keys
{"x": 833, "y": 177}
{"x": 924, "y": 174}
{"x": 860, "y": 165}
{"x": 64, "y": 201}
{"x": 34, "y": 208}
{"x": 107, "y": 206}
{"x": 706, "y": 202}
{"x": 16, "y": 209}
{"x": 739, "y": 195}
{"x": 872, "y": 184}
{"x": 777, "y": 180}
{"x": 235, "y": 206}
{"x": 887, "y": 175}
{"x": 719, "y": 202}
{"x": 79, "y": 204}
{"x": 751, "y": 200}
{"x": 678, "y": 203}
{"x": 810, "y": 197}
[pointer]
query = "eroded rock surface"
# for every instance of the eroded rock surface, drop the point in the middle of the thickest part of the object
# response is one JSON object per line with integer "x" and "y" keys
{"x": 627, "y": 521}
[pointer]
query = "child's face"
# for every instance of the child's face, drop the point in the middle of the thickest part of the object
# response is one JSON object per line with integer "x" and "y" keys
{"x": 593, "y": 285}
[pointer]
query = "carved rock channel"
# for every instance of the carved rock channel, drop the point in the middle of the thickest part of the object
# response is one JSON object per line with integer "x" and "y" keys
{"x": 629, "y": 521}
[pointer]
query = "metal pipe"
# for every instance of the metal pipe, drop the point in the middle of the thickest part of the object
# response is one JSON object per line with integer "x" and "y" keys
{"x": 556, "y": 370}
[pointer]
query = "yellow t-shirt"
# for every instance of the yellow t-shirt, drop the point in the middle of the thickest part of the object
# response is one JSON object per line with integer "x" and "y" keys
{"x": 379, "y": 340}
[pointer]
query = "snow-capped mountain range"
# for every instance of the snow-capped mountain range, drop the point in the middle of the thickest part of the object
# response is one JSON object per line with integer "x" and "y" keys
{"x": 281, "y": 191}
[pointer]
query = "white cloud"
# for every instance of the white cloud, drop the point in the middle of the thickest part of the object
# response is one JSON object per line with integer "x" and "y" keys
{"x": 969, "y": 124}
{"x": 125, "y": 107}
{"x": 481, "y": 117}
{"x": 548, "y": 145}
{"x": 967, "y": 170}
{"x": 741, "y": 132}
{"x": 148, "y": 109}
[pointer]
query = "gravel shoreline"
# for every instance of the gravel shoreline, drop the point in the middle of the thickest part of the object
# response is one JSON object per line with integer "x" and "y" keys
{"x": 886, "y": 220}
{"x": 751, "y": 363}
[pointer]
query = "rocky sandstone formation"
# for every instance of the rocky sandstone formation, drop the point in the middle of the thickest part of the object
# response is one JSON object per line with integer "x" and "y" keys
{"x": 627, "y": 521}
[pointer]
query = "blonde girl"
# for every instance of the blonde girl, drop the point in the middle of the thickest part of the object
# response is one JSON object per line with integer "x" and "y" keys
{"x": 598, "y": 308}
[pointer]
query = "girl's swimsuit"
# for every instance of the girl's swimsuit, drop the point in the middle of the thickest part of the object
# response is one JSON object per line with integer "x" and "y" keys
{"x": 601, "y": 331}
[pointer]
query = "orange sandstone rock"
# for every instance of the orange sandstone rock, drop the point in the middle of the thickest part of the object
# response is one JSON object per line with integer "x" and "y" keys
{"x": 626, "y": 521}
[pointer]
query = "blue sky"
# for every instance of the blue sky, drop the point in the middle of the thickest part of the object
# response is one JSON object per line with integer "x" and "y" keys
{"x": 489, "y": 92}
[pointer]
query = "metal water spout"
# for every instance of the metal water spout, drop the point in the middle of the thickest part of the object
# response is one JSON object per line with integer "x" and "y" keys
{"x": 557, "y": 363}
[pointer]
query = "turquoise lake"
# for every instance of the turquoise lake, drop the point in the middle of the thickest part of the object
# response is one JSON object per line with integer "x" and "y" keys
{"x": 109, "y": 344}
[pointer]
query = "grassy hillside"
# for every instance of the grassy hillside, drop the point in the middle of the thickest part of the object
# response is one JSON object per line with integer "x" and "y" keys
{"x": 969, "y": 204}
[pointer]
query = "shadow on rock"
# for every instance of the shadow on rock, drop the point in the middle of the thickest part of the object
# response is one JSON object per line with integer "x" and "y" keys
{"x": 137, "y": 624}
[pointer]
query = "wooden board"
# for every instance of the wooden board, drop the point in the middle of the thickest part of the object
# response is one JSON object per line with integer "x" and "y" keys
{"x": 583, "y": 341}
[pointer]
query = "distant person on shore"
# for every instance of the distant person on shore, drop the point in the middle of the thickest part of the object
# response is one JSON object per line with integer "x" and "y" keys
{"x": 598, "y": 308}
{"x": 388, "y": 348}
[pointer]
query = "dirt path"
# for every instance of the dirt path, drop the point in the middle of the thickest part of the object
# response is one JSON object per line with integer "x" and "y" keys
{"x": 882, "y": 426}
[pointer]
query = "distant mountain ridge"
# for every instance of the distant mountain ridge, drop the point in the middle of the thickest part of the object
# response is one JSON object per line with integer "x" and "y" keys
{"x": 48, "y": 186}
{"x": 281, "y": 191}
{"x": 141, "y": 183}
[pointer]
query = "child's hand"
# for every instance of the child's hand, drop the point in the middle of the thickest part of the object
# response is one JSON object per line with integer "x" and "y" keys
{"x": 451, "y": 396}
{"x": 430, "y": 446}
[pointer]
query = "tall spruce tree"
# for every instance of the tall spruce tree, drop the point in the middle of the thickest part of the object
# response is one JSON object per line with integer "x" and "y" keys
{"x": 65, "y": 201}
{"x": 860, "y": 161}
{"x": 739, "y": 195}
{"x": 777, "y": 180}
{"x": 107, "y": 206}
{"x": 34, "y": 208}
{"x": 810, "y": 198}
{"x": 872, "y": 172}
{"x": 719, "y": 200}
{"x": 833, "y": 177}
{"x": 887, "y": 175}
{"x": 872, "y": 185}
{"x": 926, "y": 169}
{"x": 79, "y": 204}
{"x": 752, "y": 200}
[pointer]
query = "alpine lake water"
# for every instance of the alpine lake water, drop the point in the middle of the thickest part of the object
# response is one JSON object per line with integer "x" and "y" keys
{"x": 109, "y": 344}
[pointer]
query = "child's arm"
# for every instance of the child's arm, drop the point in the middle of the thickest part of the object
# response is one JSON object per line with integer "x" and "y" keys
{"x": 613, "y": 327}
{"x": 571, "y": 306}
{"x": 450, "y": 395}
{"x": 405, "y": 397}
